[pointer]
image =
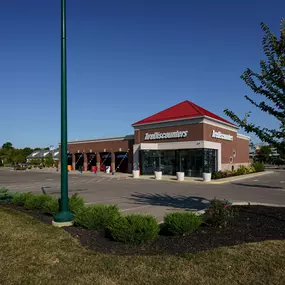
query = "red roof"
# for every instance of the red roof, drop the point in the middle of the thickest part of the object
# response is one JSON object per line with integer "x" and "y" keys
{"x": 183, "y": 110}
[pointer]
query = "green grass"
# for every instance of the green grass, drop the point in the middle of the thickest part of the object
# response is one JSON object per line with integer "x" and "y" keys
{"x": 34, "y": 253}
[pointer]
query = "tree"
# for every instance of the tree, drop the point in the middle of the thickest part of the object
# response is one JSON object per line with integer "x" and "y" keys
{"x": 269, "y": 83}
{"x": 264, "y": 154}
{"x": 7, "y": 146}
{"x": 27, "y": 151}
{"x": 35, "y": 161}
{"x": 49, "y": 161}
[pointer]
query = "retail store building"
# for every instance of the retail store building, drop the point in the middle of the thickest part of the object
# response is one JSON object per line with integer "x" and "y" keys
{"x": 184, "y": 137}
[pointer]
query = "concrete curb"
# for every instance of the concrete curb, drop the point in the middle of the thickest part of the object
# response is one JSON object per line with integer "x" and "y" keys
{"x": 241, "y": 177}
{"x": 256, "y": 204}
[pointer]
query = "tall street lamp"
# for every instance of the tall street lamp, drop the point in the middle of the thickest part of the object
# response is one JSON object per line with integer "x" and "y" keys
{"x": 64, "y": 217}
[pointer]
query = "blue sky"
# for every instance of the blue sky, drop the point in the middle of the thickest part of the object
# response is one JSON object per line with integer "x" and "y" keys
{"x": 126, "y": 60}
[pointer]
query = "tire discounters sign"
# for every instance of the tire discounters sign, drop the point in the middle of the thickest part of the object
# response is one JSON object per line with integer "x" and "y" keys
{"x": 168, "y": 135}
{"x": 219, "y": 135}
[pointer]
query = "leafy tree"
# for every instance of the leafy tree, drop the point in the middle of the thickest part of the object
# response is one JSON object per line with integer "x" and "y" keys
{"x": 49, "y": 161}
{"x": 264, "y": 154}
{"x": 35, "y": 161}
{"x": 270, "y": 84}
{"x": 7, "y": 146}
{"x": 27, "y": 151}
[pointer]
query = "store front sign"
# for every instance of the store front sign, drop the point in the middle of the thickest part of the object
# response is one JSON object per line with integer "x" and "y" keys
{"x": 168, "y": 135}
{"x": 219, "y": 135}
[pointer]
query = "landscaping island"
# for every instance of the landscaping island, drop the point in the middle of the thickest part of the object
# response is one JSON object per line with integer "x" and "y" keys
{"x": 104, "y": 229}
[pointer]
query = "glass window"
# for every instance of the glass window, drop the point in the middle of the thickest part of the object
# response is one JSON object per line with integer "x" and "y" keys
{"x": 193, "y": 162}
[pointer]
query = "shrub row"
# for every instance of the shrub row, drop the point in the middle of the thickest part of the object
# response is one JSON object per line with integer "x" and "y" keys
{"x": 45, "y": 203}
{"x": 254, "y": 167}
{"x": 135, "y": 228}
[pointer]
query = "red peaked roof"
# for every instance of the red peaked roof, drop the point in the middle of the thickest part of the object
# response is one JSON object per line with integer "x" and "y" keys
{"x": 183, "y": 110}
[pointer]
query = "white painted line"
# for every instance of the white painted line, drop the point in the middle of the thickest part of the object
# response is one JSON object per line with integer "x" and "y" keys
{"x": 110, "y": 179}
{"x": 119, "y": 178}
{"x": 255, "y": 180}
{"x": 282, "y": 182}
{"x": 102, "y": 201}
{"x": 92, "y": 180}
{"x": 134, "y": 208}
{"x": 100, "y": 180}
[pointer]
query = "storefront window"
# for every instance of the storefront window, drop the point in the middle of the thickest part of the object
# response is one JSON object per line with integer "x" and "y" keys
{"x": 192, "y": 162}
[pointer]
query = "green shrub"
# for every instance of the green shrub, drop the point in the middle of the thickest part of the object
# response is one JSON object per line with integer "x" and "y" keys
{"x": 220, "y": 213}
{"x": 51, "y": 206}
{"x": 20, "y": 198}
{"x": 135, "y": 228}
{"x": 258, "y": 166}
{"x": 217, "y": 175}
{"x": 36, "y": 202}
{"x": 5, "y": 195}
{"x": 182, "y": 223}
{"x": 75, "y": 203}
{"x": 96, "y": 216}
{"x": 242, "y": 170}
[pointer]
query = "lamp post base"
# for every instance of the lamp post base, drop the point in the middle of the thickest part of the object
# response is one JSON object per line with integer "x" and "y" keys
{"x": 63, "y": 219}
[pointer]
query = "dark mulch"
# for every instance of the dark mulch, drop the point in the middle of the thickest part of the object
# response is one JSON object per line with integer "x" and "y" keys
{"x": 253, "y": 224}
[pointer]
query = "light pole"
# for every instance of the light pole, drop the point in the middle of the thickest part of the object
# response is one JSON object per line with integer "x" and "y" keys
{"x": 64, "y": 217}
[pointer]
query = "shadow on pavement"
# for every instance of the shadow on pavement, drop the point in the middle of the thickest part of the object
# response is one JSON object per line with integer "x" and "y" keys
{"x": 190, "y": 203}
{"x": 257, "y": 186}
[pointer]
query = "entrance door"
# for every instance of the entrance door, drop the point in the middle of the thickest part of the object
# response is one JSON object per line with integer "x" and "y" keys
{"x": 149, "y": 162}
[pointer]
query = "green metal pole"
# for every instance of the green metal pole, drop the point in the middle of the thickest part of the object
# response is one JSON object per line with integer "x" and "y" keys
{"x": 64, "y": 215}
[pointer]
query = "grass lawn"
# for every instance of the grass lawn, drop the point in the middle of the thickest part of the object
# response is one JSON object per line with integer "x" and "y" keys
{"x": 34, "y": 253}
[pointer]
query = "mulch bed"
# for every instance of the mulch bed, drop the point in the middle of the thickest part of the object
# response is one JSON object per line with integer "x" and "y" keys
{"x": 253, "y": 224}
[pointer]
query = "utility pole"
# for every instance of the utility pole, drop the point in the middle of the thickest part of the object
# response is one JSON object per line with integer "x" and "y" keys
{"x": 64, "y": 217}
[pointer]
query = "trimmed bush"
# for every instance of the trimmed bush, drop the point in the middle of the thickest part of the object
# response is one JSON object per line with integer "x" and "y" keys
{"x": 258, "y": 166}
{"x": 75, "y": 203}
{"x": 36, "y": 202}
{"x": 96, "y": 216}
{"x": 182, "y": 223}
{"x": 21, "y": 198}
{"x": 220, "y": 213}
{"x": 5, "y": 195}
{"x": 51, "y": 206}
{"x": 242, "y": 170}
{"x": 135, "y": 229}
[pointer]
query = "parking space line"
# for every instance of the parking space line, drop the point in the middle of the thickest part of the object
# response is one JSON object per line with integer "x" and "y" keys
{"x": 20, "y": 186}
{"x": 102, "y": 201}
{"x": 134, "y": 208}
{"x": 100, "y": 180}
{"x": 110, "y": 179}
{"x": 92, "y": 180}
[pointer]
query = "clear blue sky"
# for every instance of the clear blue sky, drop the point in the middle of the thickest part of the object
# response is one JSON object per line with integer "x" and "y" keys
{"x": 126, "y": 60}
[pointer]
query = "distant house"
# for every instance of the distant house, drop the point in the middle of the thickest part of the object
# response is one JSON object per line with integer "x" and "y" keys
{"x": 39, "y": 154}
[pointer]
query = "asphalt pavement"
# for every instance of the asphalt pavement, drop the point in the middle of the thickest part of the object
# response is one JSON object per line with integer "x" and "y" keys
{"x": 149, "y": 196}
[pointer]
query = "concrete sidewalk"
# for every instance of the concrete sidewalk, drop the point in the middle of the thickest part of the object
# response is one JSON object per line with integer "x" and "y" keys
{"x": 199, "y": 180}
{"x": 165, "y": 178}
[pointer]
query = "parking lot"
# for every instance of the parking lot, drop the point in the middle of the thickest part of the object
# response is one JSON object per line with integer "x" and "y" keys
{"x": 149, "y": 196}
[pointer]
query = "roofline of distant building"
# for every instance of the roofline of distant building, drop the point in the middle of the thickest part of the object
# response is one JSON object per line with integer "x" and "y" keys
{"x": 118, "y": 138}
